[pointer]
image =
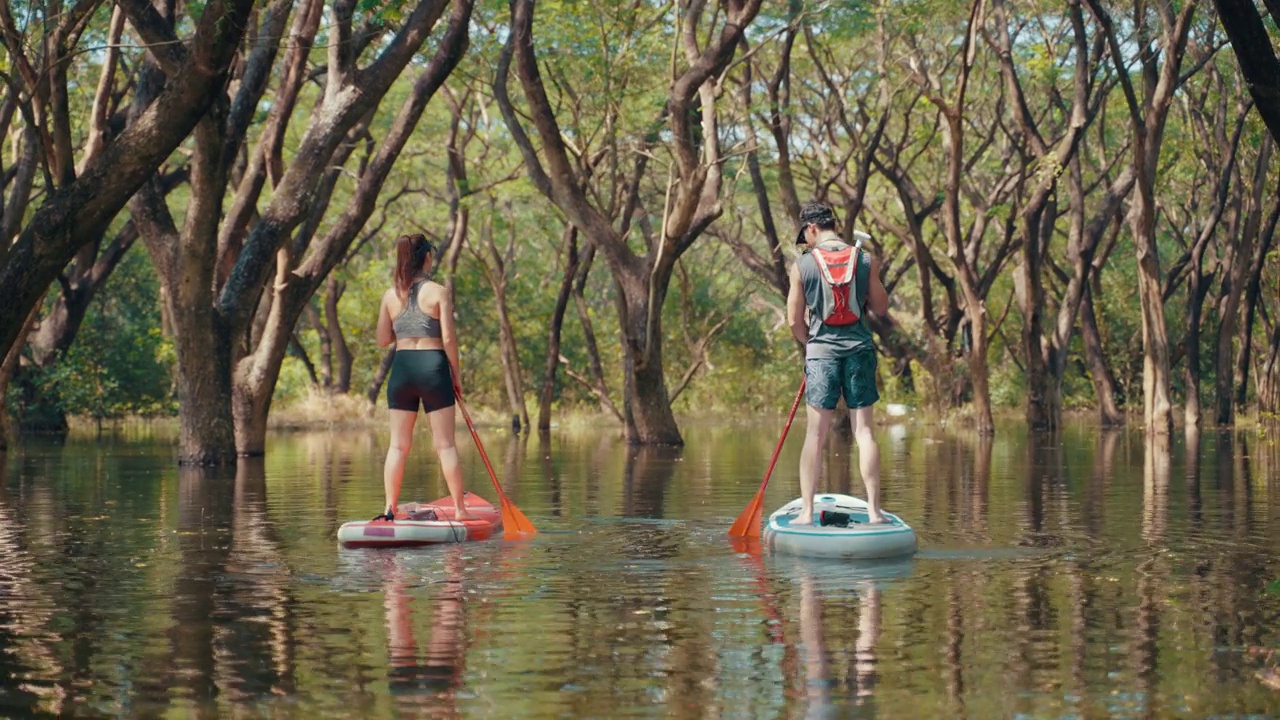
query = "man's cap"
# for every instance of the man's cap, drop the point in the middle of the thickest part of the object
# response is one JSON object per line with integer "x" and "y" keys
{"x": 814, "y": 213}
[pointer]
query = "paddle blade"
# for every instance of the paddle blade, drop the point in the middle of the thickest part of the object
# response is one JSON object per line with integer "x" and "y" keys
{"x": 745, "y": 545}
{"x": 748, "y": 523}
{"x": 514, "y": 524}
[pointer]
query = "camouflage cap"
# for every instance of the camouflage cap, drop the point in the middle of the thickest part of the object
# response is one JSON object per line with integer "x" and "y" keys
{"x": 814, "y": 213}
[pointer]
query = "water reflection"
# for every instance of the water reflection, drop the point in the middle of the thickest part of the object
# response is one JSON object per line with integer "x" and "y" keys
{"x": 25, "y": 661}
{"x": 424, "y": 681}
{"x": 1060, "y": 576}
{"x": 838, "y": 678}
{"x": 645, "y": 479}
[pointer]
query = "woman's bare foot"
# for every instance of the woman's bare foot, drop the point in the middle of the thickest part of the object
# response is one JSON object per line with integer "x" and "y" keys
{"x": 877, "y": 518}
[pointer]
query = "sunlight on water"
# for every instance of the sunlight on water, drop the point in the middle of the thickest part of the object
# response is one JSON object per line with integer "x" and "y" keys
{"x": 1080, "y": 575}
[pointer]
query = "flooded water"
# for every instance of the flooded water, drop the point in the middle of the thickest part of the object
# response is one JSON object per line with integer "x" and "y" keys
{"x": 1083, "y": 575}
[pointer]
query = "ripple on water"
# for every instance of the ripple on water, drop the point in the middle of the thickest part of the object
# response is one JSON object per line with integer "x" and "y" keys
{"x": 1059, "y": 578}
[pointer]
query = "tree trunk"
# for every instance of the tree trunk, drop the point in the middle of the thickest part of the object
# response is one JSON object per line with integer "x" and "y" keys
{"x": 1224, "y": 408}
{"x": 301, "y": 353}
{"x": 953, "y": 126}
{"x": 203, "y": 345}
{"x": 1261, "y": 248}
{"x": 1104, "y": 383}
{"x": 557, "y": 323}
{"x": 646, "y": 405}
{"x": 337, "y": 340}
{"x": 79, "y": 284}
{"x": 693, "y": 201}
{"x": 1269, "y": 378}
{"x": 75, "y": 213}
{"x": 1044, "y": 407}
{"x": 1147, "y": 115}
{"x": 510, "y": 354}
{"x": 978, "y": 371}
{"x": 1197, "y": 288}
{"x": 498, "y": 266}
{"x": 1257, "y": 55}
{"x": 9, "y": 366}
{"x": 1157, "y": 409}
{"x": 380, "y": 377}
{"x": 326, "y": 349}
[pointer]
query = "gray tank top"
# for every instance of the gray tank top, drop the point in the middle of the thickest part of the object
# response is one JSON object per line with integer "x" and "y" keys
{"x": 833, "y": 341}
{"x": 412, "y": 322}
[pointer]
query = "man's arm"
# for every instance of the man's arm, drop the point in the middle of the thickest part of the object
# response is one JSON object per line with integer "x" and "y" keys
{"x": 877, "y": 297}
{"x": 796, "y": 307}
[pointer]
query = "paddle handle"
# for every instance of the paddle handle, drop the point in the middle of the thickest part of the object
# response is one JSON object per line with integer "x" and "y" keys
{"x": 785, "y": 428}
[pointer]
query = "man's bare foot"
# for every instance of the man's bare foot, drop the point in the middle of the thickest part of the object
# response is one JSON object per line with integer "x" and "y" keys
{"x": 804, "y": 518}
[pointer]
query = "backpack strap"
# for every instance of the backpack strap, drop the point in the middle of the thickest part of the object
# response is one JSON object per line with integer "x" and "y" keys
{"x": 850, "y": 269}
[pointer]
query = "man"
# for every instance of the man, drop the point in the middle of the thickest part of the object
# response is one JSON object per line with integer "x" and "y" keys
{"x": 836, "y": 283}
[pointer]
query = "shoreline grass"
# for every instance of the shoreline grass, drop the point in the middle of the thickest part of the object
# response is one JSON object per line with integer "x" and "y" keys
{"x": 321, "y": 412}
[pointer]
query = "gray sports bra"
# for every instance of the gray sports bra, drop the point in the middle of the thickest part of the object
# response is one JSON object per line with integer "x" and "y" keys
{"x": 412, "y": 322}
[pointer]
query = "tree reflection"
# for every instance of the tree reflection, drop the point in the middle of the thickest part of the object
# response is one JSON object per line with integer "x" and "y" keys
{"x": 1195, "y": 505}
{"x": 646, "y": 477}
{"x": 426, "y": 684}
{"x": 205, "y": 506}
{"x": 954, "y": 652}
{"x": 1155, "y": 488}
{"x": 257, "y": 589}
{"x": 1151, "y": 571}
{"x": 231, "y": 632}
{"x": 551, "y": 479}
{"x": 979, "y": 486}
{"x": 1094, "y": 510}
{"x": 21, "y": 656}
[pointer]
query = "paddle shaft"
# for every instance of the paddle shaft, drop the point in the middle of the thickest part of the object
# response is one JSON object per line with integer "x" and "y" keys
{"x": 502, "y": 497}
{"x": 785, "y": 429}
{"x": 748, "y": 523}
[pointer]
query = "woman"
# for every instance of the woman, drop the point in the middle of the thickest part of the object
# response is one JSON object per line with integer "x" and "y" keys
{"x": 417, "y": 315}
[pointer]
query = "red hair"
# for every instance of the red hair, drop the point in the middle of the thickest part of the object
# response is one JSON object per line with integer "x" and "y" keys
{"x": 411, "y": 253}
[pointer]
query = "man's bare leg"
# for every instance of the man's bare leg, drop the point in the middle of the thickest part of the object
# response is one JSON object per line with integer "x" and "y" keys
{"x": 868, "y": 460}
{"x": 818, "y": 423}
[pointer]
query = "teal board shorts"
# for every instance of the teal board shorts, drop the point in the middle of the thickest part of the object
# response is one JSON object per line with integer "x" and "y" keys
{"x": 853, "y": 376}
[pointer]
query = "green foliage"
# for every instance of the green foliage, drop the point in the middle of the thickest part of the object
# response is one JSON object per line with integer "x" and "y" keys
{"x": 120, "y": 363}
{"x": 607, "y": 67}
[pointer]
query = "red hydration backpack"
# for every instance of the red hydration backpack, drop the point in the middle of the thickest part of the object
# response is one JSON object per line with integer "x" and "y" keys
{"x": 841, "y": 296}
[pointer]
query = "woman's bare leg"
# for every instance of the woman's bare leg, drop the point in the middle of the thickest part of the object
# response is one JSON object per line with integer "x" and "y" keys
{"x": 442, "y": 437}
{"x": 402, "y": 422}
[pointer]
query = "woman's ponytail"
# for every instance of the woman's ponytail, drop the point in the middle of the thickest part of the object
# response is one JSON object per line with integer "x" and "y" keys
{"x": 411, "y": 253}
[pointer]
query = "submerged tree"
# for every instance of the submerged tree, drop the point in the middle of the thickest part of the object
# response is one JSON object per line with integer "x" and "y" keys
{"x": 238, "y": 281}
{"x": 608, "y": 215}
{"x": 84, "y": 176}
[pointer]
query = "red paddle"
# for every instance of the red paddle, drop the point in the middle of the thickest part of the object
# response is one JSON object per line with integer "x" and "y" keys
{"x": 514, "y": 523}
{"x": 748, "y": 523}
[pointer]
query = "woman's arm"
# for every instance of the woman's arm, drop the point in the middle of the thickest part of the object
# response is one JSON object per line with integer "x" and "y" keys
{"x": 449, "y": 336}
{"x": 385, "y": 334}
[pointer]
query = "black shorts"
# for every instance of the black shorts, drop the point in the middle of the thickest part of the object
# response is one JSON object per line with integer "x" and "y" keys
{"x": 420, "y": 376}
